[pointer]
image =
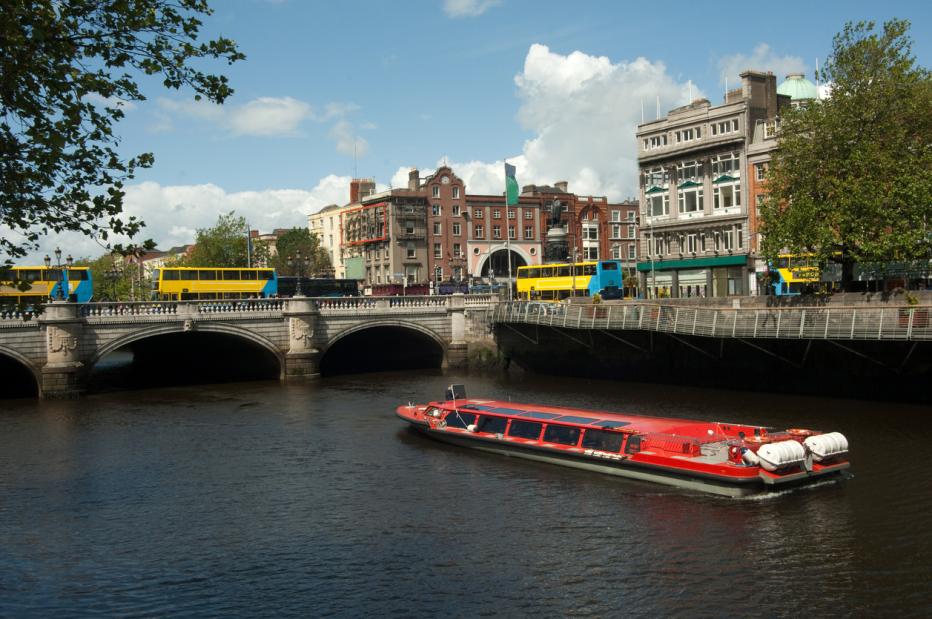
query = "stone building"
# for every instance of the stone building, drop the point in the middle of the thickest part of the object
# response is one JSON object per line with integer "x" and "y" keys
{"x": 695, "y": 229}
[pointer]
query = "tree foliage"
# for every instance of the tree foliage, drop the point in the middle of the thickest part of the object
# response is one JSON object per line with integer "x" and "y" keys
{"x": 67, "y": 66}
{"x": 224, "y": 245}
{"x": 308, "y": 244}
{"x": 852, "y": 178}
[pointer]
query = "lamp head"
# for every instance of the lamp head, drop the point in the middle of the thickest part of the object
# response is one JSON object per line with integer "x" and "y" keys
{"x": 47, "y": 260}
{"x": 69, "y": 260}
{"x": 58, "y": 255}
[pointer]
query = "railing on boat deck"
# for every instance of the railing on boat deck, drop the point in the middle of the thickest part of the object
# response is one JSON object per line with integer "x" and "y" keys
{"x": 835, "y": 323}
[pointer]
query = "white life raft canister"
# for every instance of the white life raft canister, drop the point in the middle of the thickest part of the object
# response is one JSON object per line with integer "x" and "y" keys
{"x": 825, "y": 446}
{"x": 775, "y": 456}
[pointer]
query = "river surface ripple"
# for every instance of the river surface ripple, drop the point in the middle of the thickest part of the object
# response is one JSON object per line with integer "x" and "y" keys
{"x": 258, "y": 499}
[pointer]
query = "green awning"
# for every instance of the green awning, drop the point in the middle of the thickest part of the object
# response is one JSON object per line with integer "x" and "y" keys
{"x": 694, "y": 263}
{"x": 655, "y": 189}
{"x": 725, "y": 178}
{"x": 688, "y": 184}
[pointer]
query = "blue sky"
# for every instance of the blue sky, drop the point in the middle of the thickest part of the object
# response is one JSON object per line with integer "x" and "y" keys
{"x": 556, "y": 87}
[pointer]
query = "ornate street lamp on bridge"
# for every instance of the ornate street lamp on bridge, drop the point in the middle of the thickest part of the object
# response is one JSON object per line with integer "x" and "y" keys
{"x": 300, "y": 264}
{"x": 62, "y": 293}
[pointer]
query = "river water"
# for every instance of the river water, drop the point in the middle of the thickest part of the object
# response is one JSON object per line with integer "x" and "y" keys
{"x": 261, "y": 499}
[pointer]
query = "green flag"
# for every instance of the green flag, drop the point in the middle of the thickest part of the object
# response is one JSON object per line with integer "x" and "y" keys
{"x": 511, "y": 186}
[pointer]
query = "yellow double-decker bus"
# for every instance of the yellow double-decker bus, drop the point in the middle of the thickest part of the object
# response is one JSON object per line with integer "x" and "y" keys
{"x": 197, "y": 283}
{"x": 31, "y": 286}
{"x": 552, "y": 282}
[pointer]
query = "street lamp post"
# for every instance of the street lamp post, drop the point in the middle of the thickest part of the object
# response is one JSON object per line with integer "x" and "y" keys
{"x": 300, "y": 264}
{"x": 62, "y": 293}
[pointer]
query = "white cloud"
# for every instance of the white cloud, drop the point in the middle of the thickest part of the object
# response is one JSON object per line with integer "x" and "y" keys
{"x": 468, "y": 8}
{"x": 174, "y": 213}
{"x": 763, "y": 58}
{"x": 583, "y": 111}
{"x": 265, "y": 117}
{"x": 269, "y": 116}
{"x": 348, "y": 143}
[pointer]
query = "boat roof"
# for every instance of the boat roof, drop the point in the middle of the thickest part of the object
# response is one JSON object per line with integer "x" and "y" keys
{"x": 590, "y": 418}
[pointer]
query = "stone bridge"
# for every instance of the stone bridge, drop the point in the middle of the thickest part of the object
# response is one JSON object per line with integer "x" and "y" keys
{"x": 61, "y": 345}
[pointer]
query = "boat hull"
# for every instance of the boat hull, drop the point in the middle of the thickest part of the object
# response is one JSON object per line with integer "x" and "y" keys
{"x": 628, "y": 468}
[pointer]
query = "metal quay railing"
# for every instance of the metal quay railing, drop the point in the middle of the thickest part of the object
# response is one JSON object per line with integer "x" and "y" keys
{"x": 834, "y": 323}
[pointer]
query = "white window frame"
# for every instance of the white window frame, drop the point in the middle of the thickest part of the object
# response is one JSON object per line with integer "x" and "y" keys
{"x": 438, "y": 228}
{"x": 477, "y": 213}
{"x": 435, "y": 191}
{"x": 479, "y": 231}
{"x": 456, "y": 210}
{"x": 436, "y": 210}
{"x": 528, "y": 233}
{"x": 512, "y": 233}
{"x": 664, "y": 203}
{"x": 511, "y": 213}
{"x": 719, "y": 195}
{"x": 528, "y": 214}
{"x": 456, "y": 193}
{"x": 496, "y": 231}
{"x": 438, "y": 250}
{"x": 496, "y": 213}
{"x": 681, "y": 196}
{"x": 457, "y": 230}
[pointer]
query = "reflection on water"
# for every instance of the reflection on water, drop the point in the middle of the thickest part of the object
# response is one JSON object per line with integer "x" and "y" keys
{"x": 258, "y": 498}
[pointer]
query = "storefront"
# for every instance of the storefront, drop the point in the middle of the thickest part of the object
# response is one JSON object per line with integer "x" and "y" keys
{"x": 718, "y": 276}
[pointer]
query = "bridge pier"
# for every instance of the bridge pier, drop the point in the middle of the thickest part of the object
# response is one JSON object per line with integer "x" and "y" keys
{"x": 457, "y": 351}
{"x": 63, "y": 374}
{"x": 302, "y": 361}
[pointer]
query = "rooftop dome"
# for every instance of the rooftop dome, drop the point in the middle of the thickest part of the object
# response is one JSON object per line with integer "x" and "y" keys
{"x": 798, "y": 88}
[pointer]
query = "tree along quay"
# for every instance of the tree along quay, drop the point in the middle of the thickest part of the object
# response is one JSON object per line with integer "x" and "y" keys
{"x": 871, "y": 350}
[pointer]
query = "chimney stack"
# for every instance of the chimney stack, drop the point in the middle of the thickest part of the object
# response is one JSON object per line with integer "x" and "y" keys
{"x": 562, "y": 186}
{"x": 414, "y": 179}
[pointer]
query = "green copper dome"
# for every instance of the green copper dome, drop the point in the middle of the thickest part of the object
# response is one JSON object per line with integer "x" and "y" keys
{"x": 798, "y": 88}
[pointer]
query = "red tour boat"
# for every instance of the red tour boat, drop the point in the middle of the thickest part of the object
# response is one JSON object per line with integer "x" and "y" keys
{"x": 724, "y": 458}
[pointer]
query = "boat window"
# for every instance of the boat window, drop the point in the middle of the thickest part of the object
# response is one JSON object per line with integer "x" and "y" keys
{"x": 525, "y": 429}
{"x": 633, "y": 445}
{"x": 507, "y": 411}
{"x": 538, "y": 415}
{"x": 492, "y": 425}
{"x": 458, "y": 419}
{"x": 611, "y": 424}
{"x": 478, "y": 407}
{"x": 564, "y": 435}
{"x": 575, "y": 419}
{"x": 602, "y": 440}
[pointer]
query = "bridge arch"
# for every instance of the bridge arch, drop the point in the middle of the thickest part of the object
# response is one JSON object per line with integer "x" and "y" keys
{"x": 426, "y": 334}
{"x": 201, "y": 327}
{"x": 26, "y": 363}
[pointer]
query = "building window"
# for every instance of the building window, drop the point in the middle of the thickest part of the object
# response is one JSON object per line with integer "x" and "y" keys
{"x": 456, "y": 208}
{"x": 690, "y": 200}
{"x": 411, "y": 251}
{"x": 590, "y": 232}
{"x": 655, "y": 141}
{"x": 771, "y": 127}
{"x": 726, "y": 195}
{"x": 456, "y": 228}
{"x": 511, "y": 213}
{"x": 739, "y": 234}
{"x": 656, "y": 177}
{"x": 435, "y": 191}
{"x": 632, "y": 232}
{"x": 688, "y": 171}
{"x": 456, "y": 193}
{"x": 729, "y": 238}
{"x": 436, "y": 210}
{"x": 457, "y": 250}
{"x": 437, "y": 228}
{"x": 457, "y": 274}
{"x": 409, "y": 226}
{"x": 631, "y": 216}
{"x": 725, "y": 126}
{"x": 659, "y": 204}
{"x": 761, "y": 169}
{"x": 631, "y": 252}
{"x": 528, "y": 214}
{"x": 477, "y": 213}
{"x": 726, "y": 164}
{"x": 616, "y": 215}
{"x": 496, "y": 214}
{"x": 496, "y": 231}
{"x": 480, "y": 233}
{"x": 438, "y": 251}
{"x": 511, "y": 232}
{"x": 591, "y": 253}
{"x": 529, "y": 233}
{"x": 692, "y": 245}
{"x": 616, "y": 231}
{"x": 688, "y": 135}
{"x": 438, "y": 274}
